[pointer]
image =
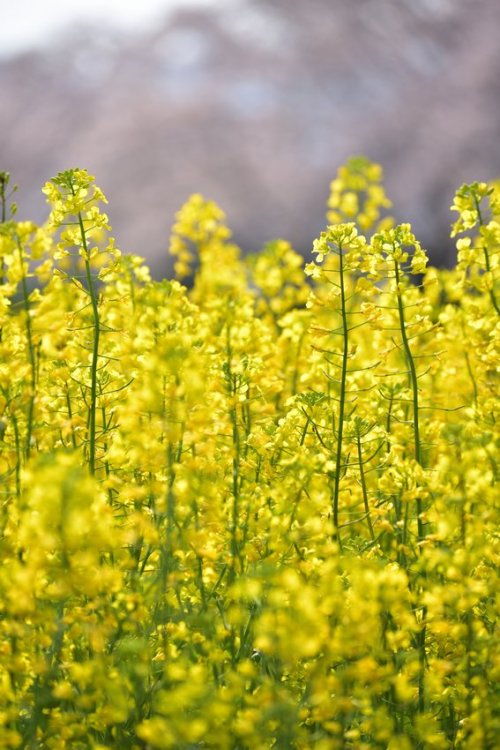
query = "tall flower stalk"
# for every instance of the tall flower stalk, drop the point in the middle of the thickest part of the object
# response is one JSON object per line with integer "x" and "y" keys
{"x": 344, "y": 246}
{"x": 30, "y": 345}
{"x": 95, "y": 340}
{"x": 393, "y": 248}
{"x": 74, "y": 199}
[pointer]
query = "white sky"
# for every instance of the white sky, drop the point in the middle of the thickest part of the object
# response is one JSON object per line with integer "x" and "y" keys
{"x": 29, "y": 23}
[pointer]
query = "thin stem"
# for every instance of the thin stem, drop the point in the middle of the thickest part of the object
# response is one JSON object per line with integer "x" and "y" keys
{"x": 486, "y": 256}
{"x": 492, "y": 291}
{"x": 4, "y": 179}
{"x": 414, "y": 387}
{"x": 31, "y": 351}
{"x": 17, "y": 440}
{"x": 343, "y": 379}
{"x": 363, "y": 487}
{"x": 231, "y": 388}
{"x": 95, "y": 346}
{"x": 421, "y": 636}
{"x": 70, "y": 416}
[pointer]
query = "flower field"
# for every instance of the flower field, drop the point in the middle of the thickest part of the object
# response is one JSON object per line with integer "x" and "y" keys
{"x": 256, "y": 511}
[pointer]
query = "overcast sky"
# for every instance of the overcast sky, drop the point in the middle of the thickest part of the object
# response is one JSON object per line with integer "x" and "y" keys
{"x": 29, "y": 23}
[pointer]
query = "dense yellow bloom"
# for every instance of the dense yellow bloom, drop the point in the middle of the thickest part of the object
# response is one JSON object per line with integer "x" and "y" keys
{"x": 259, "y": 512}
{"x": 357, "y": 194}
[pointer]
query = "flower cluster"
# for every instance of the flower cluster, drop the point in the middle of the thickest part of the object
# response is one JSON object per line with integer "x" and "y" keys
{"x": 258, "y": 512}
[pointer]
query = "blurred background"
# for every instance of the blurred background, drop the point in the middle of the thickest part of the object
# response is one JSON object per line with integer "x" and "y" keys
{"x": 254, "y": 103}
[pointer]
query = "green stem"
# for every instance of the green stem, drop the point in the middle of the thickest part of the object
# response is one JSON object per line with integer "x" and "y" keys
{"x": 70, "y": 416}
{"x": 388, "y": 424}
{"x": 232, "y": 391}
{"x": 363, "y": 487}
{"x": 414, "y": 388}
{"x": 343, "y": 379}
{"x": 296, "y": 370}
{"x": 421, "y": 636}
{"x": 492, "y": 291}
{"x": 31, "y": 351}
{"x": 95, "y": 349}
{"x": 486, "y": 256}
{"x": 17, "y": 440}
{"x": 4, "y": 179}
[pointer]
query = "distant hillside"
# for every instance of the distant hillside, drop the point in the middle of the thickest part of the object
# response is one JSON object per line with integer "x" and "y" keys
{"x": 256, "y": 105}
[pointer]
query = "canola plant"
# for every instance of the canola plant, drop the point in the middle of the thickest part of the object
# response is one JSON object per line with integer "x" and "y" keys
{"x": 258, "y": 512}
